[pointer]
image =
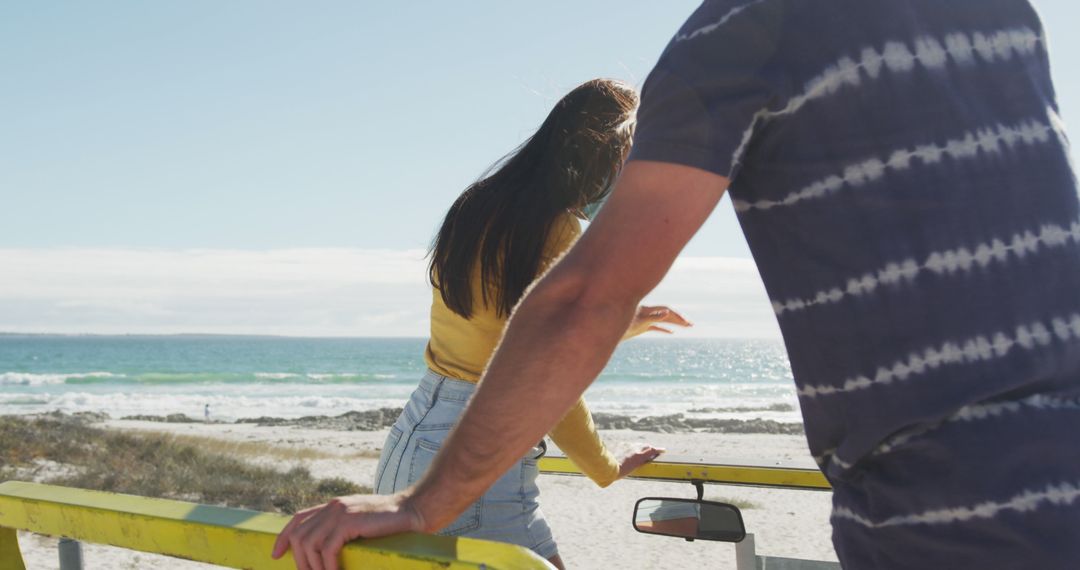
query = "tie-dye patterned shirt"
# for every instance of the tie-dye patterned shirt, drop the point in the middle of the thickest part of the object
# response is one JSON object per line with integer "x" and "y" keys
{"x": 902, "y": 176}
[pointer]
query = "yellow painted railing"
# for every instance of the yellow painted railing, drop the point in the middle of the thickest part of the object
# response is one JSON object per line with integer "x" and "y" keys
{"x": 239, "y": 538}
{"x": 674, "y": 470}
{"x": 233, "y": 538}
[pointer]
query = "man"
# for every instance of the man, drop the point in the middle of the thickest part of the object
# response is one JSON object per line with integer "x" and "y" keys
{"x": 902, "y": 177}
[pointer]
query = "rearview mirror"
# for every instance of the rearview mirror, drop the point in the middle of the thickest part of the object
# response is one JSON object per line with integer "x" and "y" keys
{"x": 689, "y": 518}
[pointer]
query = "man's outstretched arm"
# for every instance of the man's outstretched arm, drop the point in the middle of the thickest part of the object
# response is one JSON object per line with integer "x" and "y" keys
{"x": 566, "y": 328}
{"x": 557, "y": 341}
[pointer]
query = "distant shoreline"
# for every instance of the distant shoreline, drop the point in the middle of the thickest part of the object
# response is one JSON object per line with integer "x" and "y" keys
{"x": 383, "y": 418}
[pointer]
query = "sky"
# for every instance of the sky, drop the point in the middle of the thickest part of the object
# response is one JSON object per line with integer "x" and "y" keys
{"x": 279, "y": 167}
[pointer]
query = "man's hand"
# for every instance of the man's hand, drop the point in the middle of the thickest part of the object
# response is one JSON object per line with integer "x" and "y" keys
{"x": 638, "y": 458}
{"x": 648, "y": 318}
{"x": 316, "y": 535}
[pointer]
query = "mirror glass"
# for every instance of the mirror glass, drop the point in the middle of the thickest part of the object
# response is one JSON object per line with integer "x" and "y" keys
{"x": 689, "y": 518}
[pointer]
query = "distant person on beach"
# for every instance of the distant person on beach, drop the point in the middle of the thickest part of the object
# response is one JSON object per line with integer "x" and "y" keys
{"x": 498, "y": 237}
{"x": 206, "y": 413}
{"x": 902, "y": 175}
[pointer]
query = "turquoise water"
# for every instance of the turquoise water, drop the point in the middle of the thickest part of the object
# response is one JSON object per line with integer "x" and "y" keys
{"x": 242, "y": 376}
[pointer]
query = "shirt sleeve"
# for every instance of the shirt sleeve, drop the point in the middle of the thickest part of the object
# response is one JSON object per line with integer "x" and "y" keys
{"x": 577, "y": 437}
{"x": 700, "y": 103}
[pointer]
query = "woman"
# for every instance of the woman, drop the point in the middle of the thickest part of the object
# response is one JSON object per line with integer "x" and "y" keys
{"x": 498, "y": 237}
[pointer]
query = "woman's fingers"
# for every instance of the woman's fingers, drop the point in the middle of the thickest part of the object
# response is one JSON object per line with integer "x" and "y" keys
{"x": 652, "y": 314}
{"x": 639, "y": 458}
{"x": 651, "y": 452}
{"x": 662, "y": 314}
{"x": 655, "y": 328}
{"x": 677, "y": 319}
{"x": 647, "y": 454}
{"x": 668, "y": 315}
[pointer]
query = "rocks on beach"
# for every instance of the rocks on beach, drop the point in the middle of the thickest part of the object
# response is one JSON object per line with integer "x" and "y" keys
{"x": 169, "y": 419}
{"x": 370, "y": 420}
{"x": 780, "y": 407}
{"x": 676, "y": 423}
{"x": 382, "y": 418}
{"x": 80, "y": 417}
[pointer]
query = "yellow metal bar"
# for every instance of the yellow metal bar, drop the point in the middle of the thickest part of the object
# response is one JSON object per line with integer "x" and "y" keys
{"x": 10, "y": 557}
{"x": 234, "y": 538}
{"x": 758, "y": 476}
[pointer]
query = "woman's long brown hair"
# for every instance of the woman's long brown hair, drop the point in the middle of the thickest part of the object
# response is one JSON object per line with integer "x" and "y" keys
{"x": 505, "y": 217}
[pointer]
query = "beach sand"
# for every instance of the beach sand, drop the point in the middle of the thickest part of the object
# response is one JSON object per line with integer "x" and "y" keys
{"x": 591, "y": 525}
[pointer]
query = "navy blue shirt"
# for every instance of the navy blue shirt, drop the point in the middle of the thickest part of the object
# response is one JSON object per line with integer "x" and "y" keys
{"x": 902, "y": 175}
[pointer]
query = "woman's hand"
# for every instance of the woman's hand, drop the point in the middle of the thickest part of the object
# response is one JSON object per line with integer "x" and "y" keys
{"x": 317, "y": 535}
{"x": 648, "y": 318}
{"x": 638, "y": 458}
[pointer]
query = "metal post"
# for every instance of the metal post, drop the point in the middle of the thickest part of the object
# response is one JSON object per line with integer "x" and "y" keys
{"x": 70, "y": 554}
{"x": 746, "y": 554}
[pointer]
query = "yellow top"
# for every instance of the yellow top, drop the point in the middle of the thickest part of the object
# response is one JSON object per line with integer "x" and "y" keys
{"x": 460, "y": 348}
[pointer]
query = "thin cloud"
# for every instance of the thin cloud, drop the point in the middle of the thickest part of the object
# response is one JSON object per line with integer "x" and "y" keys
{"x": 306, "y": 292}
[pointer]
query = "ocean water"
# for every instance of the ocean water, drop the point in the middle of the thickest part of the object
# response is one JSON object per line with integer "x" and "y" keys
{"x": 243, "y": 376}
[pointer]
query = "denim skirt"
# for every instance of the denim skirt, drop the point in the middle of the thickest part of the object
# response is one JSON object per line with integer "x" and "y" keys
{"x": 507, "y": 512}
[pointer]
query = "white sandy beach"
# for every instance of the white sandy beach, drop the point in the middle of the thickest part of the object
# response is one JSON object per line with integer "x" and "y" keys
{"x": 591, "y": 525}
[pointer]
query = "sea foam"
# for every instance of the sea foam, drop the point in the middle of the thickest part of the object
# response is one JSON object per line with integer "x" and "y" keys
{"x": 31, "y": 379}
